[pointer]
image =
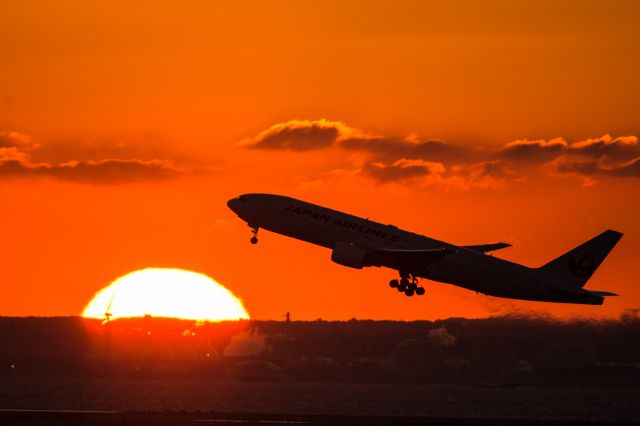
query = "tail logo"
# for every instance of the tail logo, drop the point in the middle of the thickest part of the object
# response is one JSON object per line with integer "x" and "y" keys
{"x": 582, "y": 263}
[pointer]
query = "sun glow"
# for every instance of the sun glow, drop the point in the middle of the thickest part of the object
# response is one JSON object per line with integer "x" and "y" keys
{"x": 161, "y": 292}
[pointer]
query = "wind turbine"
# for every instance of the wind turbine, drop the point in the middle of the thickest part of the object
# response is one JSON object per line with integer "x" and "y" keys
{"x": 107, "y": 314}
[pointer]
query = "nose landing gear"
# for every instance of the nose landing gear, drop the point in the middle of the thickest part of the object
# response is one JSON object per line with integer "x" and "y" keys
{"x": 407, "y": 284}
{"x": 254, "y": 239}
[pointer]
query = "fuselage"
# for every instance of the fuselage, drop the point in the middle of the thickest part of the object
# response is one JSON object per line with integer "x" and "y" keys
{"x": 326, "y": 227}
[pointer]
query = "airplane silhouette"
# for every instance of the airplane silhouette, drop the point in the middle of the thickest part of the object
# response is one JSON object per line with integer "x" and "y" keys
{"x": 357, "y": 242}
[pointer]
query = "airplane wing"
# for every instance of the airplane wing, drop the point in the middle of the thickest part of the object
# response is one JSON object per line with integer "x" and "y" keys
{"x": 488, "y": 247}
{"x": 413, "y": 261}
{"x": 426, "y": 255}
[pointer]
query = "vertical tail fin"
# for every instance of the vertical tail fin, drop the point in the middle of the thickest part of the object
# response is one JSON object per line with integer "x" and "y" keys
{"x": 575, "y": 267}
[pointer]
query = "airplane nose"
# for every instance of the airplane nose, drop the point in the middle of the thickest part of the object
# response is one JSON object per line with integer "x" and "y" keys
{"x": 232, "y": 203}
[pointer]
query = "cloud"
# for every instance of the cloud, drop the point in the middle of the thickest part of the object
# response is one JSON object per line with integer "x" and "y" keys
{"x": 13, "y": 154}
{"x": 627, "y": 169}
{"x": 147, "y": 146}
{"x": 411, "y": 147}
{"x": 492, "y": 168}
{"x": 605, "y": 148}
{"x": 594, "y": 168}
{"x": 413, "y": 159}
{"x": 16, "y": 140}
{"x": 105, "y": 172}
{"x": 600, "y": 157}
{"x": 533, "y": 152}
{"x": 617, "y": 149}
{"x": 16, "y": 161}
{"x": 307, "y": 135}
{"x": 490, "y": 174}
{"x": 402, "y": 169}
{"x": 301, "y": 135}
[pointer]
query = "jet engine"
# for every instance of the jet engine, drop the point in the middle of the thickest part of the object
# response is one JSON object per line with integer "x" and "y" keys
{"x": 347, "y": 254}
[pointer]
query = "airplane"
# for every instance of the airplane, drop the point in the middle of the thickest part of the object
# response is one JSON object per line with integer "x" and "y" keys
{"x": 356, "y": 242}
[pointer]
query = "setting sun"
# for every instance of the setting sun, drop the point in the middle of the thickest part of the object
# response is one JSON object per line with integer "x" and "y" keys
{"x": 164, "y": 292}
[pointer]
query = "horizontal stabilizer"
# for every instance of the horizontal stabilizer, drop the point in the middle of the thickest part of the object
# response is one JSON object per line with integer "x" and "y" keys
{"x": 583, "y": 291}
{"x": 602, "y": 293}
{"x": 488, "y": 247}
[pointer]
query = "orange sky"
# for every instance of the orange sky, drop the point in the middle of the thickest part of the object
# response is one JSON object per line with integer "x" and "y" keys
{"x": 124, "y": 129}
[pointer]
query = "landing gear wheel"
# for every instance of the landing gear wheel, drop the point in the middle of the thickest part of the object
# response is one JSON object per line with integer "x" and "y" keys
{"x": 407, "y": 284}
{"x": 254, "y": 230}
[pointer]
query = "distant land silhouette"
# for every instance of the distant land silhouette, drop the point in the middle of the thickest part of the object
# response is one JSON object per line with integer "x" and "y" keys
{"x": 501, "y": 351}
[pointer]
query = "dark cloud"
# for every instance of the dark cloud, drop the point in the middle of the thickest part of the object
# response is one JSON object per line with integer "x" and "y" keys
{"x": 580, "y": 167}
{"x": 388, "y": 159}
{"x": 105, "y": 172}
{"x": 17, "y": 161}
{"x": 15, "y": 140}
{"x": 389, "y": 149}
{"x": 627, "y": 169}
{"x": 618, "y": 149}
{"x": 13, "y": 154}
{"x": 147, "y": 146}
{"x": 603, "y": 156}
{"x": 306, "y": 135}
{"x": 492, "y": 168}
{"x": 299, "y": 135}
{"x": 401, "y": 170}
{"x": 596, "y": 168}
{"x": 533, "y": 152}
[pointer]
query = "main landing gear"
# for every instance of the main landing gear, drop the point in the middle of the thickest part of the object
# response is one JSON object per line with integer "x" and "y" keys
{"x": 407, "y": 284}
{"x": 254, "y": 239}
